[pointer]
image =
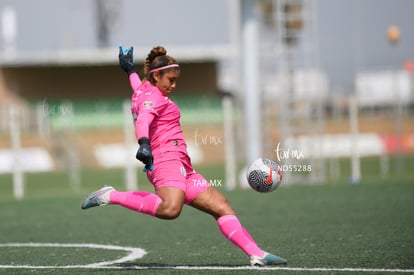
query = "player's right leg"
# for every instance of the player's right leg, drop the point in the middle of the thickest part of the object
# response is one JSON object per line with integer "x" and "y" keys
{"x": 167, "y": 203}
{"x": 169, "y": 183}
{"x": 97, "y": 198}
{"x": 144, "y": 202}
{"x": 172, "y": 202}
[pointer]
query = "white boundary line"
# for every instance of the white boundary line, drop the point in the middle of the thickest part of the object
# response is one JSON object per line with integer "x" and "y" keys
{"x": 134, "y": 253}
{"x": 318, "y": 269}
{"x": 137, "y": 253}
{"x": 218, "y": 268}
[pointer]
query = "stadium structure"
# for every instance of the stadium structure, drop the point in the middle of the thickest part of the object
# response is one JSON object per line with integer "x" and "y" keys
{"x": 259, "y": 85}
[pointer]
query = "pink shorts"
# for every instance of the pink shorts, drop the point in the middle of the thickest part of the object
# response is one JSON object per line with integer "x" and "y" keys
{"x": 175, "y": 170}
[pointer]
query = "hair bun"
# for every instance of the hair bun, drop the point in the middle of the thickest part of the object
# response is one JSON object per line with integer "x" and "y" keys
{"x": 157, "y": 51}
{"x": 157, "y": 58}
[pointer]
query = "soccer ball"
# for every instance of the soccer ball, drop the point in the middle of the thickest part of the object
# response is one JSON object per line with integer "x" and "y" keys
{"x": 264, "y": 175}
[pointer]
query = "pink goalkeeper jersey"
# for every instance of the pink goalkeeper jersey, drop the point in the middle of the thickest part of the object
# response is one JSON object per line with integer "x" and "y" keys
{"x": 156, "y": 117}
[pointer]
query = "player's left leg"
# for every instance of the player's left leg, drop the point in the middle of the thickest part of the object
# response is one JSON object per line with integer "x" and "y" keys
{"x": 216, "y": 204}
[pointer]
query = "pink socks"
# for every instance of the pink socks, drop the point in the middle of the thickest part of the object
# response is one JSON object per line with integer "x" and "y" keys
{"x": 147, "y": 203}
{"x": 232, "y": 229}
{"x": 144, "y": 202}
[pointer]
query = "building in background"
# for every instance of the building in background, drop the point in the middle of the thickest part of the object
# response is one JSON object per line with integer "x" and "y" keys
{"x": 350, "y": 36}
{"x": 53, "y": 51}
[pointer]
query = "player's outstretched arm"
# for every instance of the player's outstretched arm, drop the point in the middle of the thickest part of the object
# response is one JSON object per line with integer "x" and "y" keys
{"x": 126, "y": 62}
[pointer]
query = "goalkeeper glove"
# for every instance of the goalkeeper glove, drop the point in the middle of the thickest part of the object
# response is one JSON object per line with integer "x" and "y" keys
{"x": 144, "y": 153}
{"x": 126, "y": 59}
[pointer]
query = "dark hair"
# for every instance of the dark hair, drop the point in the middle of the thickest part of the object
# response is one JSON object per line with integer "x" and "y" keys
{"x": 157, "y": 58}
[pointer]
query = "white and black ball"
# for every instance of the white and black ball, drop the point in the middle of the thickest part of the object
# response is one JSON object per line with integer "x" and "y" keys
{"x": 264, "y": 175}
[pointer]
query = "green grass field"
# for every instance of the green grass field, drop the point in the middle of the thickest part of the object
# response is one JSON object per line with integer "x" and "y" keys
{"x": 337, "y": 227}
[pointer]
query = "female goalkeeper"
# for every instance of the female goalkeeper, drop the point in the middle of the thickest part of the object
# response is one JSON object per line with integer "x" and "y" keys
{"x": 163, "y": 150}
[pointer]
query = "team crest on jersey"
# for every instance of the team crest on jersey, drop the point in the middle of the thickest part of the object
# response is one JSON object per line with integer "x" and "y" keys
{"x": 148, "y": 105}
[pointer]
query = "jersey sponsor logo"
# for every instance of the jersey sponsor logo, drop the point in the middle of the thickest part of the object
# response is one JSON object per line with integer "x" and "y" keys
{"x": 148, "y": 105}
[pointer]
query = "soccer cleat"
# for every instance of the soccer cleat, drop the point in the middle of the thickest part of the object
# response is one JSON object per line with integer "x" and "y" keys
{"x": 97, "y": 198}
{"x": 267, "y": 259}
